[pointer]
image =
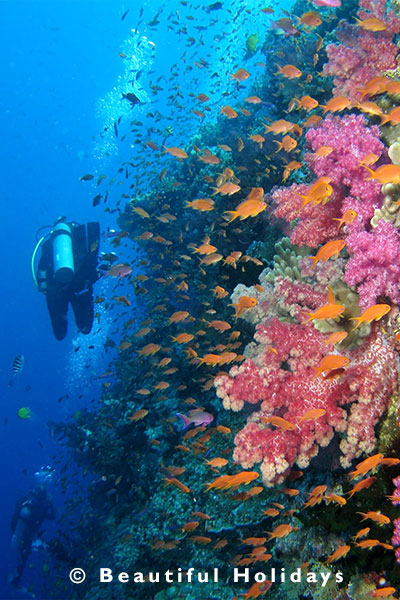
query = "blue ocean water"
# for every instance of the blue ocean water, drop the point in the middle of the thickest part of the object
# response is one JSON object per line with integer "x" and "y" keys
{"x": 58, "y": 60}
{"x": 62, "y": 79}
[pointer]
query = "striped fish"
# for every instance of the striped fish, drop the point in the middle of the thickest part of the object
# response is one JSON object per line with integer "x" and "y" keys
{"x": 17, "y": 366}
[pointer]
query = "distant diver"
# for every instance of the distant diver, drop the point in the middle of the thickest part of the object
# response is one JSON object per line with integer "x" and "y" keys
{"x": 29, "y": 514}
{"x": 66, "y": 272}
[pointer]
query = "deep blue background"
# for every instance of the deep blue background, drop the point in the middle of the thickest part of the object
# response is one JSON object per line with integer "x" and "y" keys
{"x": 61, "y": 83}
{"x": 57, "y": 59}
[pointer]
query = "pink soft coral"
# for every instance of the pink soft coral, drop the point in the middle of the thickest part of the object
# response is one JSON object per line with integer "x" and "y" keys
{"x": 283, "y": 380}
{"x": 374, "y": 264}
{"x": 362, "y": 55}
{"x": 350, "y": 140}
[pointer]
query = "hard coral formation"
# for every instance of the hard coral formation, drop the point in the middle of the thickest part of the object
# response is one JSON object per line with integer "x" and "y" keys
{"x": 286, "y": 260}
{"x": 390, "y": 209}
{"x": 281, "y": 377}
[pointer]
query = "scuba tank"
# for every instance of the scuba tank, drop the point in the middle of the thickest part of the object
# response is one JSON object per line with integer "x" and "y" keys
{"x": 63, "y": 256}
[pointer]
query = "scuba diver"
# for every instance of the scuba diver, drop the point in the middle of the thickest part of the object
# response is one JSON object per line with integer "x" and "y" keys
{"x": 66, "y": 272}
{"x": 29, "y": 514}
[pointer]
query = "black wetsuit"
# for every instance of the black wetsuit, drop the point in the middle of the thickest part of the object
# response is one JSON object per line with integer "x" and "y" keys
{"x": 79, "y": 292}
{"x": 28, "y": 517}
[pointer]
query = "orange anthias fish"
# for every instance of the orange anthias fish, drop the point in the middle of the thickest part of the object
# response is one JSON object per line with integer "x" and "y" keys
{"x": 178, "y": 316}
{"x": 373, "y": 313}
{"x": 307, "y": 103}
{"x": 217, "y": 463}
{"x": 201, "y": 204}
{"x": 383, "y": 592}
{"x": 122, "y": 299}
{"x": 318, "y": 193}
{"x": 259, "y": 139}
{"x": 287, "y": 144}
{"x": 366, "y": 465}
{"x": 336, "y": 104}
{"x": 149, "y": 349}
{"x": 323, "y": 151}
{"x": 361, "y": 533}
{"x": 228, "y": 112}
{"x": 368, "y": 160}
{"x": 202, "y": 98}
{"x": 227, "y": 189}
{"x": 282, "y": 424}
{"x": 190, "y": 526}
{"x": 336, "y": 337}
{"x": 315, "y": 496}
{"x": 371, "y": 108}
{"x": 181, "y": 486}
{"x": 328, "y": 311}
{"x": 371, "y": 24}
{"x": 219, "y": 325}
{"x": 289, "y": 71}
{"x": 205, "y": 249}
{"x": 393, "y": 117}
{"x": 240, "y": 75}
{"x": 210, "y": 359}
{"x": 247, "y": 208}
{"x": 385, "y": 174}
{"x": 244, "y": 303}
{"x": 138, "y": 415}
{"x": 312, "y": 120}
{"x": 211, "y": 259}
{"x": 347, "y": 218}
{"x": 177, "y": 152}
{"x": 280, "y": 126}
{"x": 339, "y": 553}
{"x": 330, "y": 363}
{"x": 183, "y": 338}
{"x": 141, "y": 212}
{"x": 328, "y": 250}
{"x": 361, "y": 485}
{"x": 376, "y": 85}
{"x": 243, "y": 478}
{"x": 209, "y": 158}
{"x": 376, "y": 517}
{"x": 292, "y": 166}
{"x": 310, "y": 19}
{"x": 253, "y": 100}
{"x": 229, "y": 481}
{"x": 257, "y": 589}
{"x": 280, "y": 531}
{"x": 219, "y": 292}
{"x": 313, "y": 415}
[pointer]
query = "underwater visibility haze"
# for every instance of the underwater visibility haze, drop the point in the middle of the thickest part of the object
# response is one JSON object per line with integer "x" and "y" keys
{"x": 201, "y": 300}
